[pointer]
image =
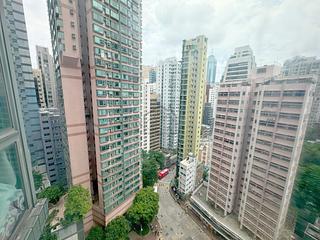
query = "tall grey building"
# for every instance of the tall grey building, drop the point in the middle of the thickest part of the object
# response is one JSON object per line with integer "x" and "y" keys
{"x": 21, "y": 216}
{"x": 168, "y": 77}
{"x": 51, "y": 131}
{"x": 211, "y": 70}
{"x": 15, "y": 23}
{"x": 45, "y": 64}
{"x": 152, "y": 75}
{"x": 239, "y": 65}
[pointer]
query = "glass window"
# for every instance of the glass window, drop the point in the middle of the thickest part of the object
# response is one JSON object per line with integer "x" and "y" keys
{"x": 5, "y": 121}
{"x": 12, "y": 198}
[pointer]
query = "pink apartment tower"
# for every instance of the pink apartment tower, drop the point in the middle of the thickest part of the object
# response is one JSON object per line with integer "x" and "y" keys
{"x": 260, "y": 124}
{"x": 97, "y": 56}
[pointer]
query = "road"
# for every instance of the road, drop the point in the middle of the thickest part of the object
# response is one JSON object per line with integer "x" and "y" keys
{"x": 175, "y": 223}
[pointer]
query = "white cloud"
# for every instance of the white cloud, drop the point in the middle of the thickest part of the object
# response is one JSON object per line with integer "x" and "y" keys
{"x": 275, "y": 29}
{"x": 37, "y": 21}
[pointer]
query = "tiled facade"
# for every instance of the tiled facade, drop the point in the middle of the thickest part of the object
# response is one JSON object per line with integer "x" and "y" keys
{"x": 101, "y": 47}
{"x": 155, "y": 123}
{"x": 281, "y": 111}
{"x": 22, "y": 216}
{"x": 51, "y": 132}
{"x": 18, "y": 40}
{"x": 192, "y": 94}
{"x": 45, "y": 64}
{"x": 259, "y": 131}
{"x": 168, "y": 77}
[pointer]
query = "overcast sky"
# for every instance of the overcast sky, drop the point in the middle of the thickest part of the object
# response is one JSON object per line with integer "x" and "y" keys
{"x": 275, "y": 29}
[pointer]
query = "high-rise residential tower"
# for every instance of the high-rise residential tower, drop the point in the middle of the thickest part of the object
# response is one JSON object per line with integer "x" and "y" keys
{"x": 38, "y": 82}
{"x": 97, "y": 51}
{"x": 192, "y": 92}
{"x": 18, "y": 40}
{"x": 45, "y": 64}
{"x": 145, "y": 115}
{"x": 307, "y": 66}
{"x": 239, "y": 65}
{"x": 51, "y": 131}
{"x": 155, "y": 122}
{"x": 258, "y": 135}
{"x": 21, "y": 215}
{"x": 211, "y": 70}
{"x": 168, "y": 76}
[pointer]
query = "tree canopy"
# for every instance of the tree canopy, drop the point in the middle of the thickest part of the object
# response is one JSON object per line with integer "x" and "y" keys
{"x": 52, "y": 193}
{"x": 308, "y": 189}
{"x": 145, "y": 207}
{"x": 96, "y": 233}
{"x": 37, "y": 178}
{"x": 154, "y": 156}
{"x": 118, "y": 228}
{"x": 149, "y": 173}
{"x": 78, "y": 203}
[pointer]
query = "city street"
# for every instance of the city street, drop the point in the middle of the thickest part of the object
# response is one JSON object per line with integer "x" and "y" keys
{"x": 175, "y": 223}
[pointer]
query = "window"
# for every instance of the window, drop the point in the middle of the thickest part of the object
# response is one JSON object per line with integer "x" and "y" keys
{"x": 5, "y": 121}
{"x": 71, "y": 12}
{"x": 11, "y": 188}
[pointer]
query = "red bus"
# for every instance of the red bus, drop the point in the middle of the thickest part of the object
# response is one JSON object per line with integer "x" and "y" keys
{"x": 163, "y": 173}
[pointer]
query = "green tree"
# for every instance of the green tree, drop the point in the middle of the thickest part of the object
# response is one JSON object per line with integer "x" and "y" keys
{"x": 78, "y": 203}
{"x": 118, "y": 229}
{"x": 158, "y": 157}
{"x": 149, "y": 173}
{"x": 52, "y": 193}
{"x": 47, "y": 235}
{"x": 308, "y": 189}
{"x": 205, "y": 173}
{"x": 96, "y": 233}
{"x": 145, "y": 207}
{"x": 37, "y": 178}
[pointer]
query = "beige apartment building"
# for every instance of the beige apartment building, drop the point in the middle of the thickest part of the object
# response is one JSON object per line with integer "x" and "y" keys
{"x": 155, "y": 122}
{"x": 258, "y": 136}
{"x": 97, "y": 54}
{"x": 192, "y": 94}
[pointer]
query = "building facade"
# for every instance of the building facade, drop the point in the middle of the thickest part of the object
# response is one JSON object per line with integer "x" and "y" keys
{"x": 155, "y": 122}
{"x": 192, "y": 92}
{"x": 22, "y": 217}
{"x": 145, "y": 115}
{"x": 298, "y": 66}
{"x": 97, "y": 48}
{"x": 239, "y": 65}
{"x": 211, "y": 70}
{"x": 18, "y": 40}
{"x": 282, "y": 108}
{"x": 187, "y": 174}
{"x": 38, "y": 82}
{"x": 149, "y": 73}
{"x": 45, "y": 64}
{"x": 51, "y": 131}
{"x": 258, "y": 135}
{"x": 168, "y": 77}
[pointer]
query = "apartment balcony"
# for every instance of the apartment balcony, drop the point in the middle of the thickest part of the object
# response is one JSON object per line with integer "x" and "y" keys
{"x": 274, "y": 189}
{"x": 282, "y": 152}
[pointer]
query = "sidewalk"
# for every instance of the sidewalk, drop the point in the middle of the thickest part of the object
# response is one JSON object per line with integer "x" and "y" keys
{"x": 150, "y": 236}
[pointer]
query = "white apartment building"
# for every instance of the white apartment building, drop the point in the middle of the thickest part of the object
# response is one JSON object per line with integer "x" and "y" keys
{"x": 169, "y": 79}
{"x": 145, "y": 116}
{"x": 239, "y": 65}
{"x": 187, "y": 174}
